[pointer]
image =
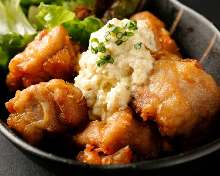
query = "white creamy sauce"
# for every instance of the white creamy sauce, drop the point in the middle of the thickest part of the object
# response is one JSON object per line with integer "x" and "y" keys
{"x": 107, "y": 87}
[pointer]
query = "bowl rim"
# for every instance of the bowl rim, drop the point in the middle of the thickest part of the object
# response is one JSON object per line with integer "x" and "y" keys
{"x": 160, "y": 163}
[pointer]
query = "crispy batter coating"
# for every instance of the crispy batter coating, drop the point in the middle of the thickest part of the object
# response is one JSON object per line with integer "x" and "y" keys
{"x": 162, "y": 36}
{"x": 50, "y": 55}
{"x": 180, "y": 97}
{"x": 120, "y": 130}
{"x": 92, "y": 156}
{"x": 51, "y": 107}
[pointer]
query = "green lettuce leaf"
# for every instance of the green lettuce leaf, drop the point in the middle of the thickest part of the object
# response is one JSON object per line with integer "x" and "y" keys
{"x": 15, "y": 30}
{"x": 81, "y": 30}
{"x": 69, "y": 4}
{"x": 13, "y": 18}
{"x": 32, "y": 17}
{"x": 3, "y": 57}
{"x": 14, "y": 41}
{"x": 35, "y": 2}
{"x": 50, "y": 16}
{"x": 11, "y": 44}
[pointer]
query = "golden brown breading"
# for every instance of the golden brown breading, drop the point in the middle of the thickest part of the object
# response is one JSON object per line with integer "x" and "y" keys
{"x": 162, "y": 36}
{"x": 120, "y": 130}
{"x": 92, "y": 156}
{"x": 53, "y": 107}
{"x": 180, "y": 97}
{"x": 50, "y": 55}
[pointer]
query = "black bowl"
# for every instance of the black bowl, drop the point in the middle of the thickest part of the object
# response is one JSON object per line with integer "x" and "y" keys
{"x": 197, "y": 38}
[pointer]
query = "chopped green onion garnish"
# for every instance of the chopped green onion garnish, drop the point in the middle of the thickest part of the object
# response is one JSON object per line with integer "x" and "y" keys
{"x": 138, "y": 45}
{"x": 124, "y": 38}
{"x": 107, "y": 36}
{"x": 110, "y": 25}
{"x": 101, "y": 47}
{"x": 95, "y": 40}
{"x": 104, "y": 60}
{"x": 129, "y": 34}
{"x": 132, "y": 25}
{"x": 94, "y": 50}
{"x": 116, "y": 29}
{"x": 118, "y": 42}
{"x": 119, "y": 35}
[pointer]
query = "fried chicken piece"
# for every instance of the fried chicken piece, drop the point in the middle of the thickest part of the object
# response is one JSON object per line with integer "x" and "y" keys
{"x": 51, "y": 107}
{"x": 162, "y": 36}
{"x": 120, "y": 130}
{"x": 92, "y": 156}
{"x": 181, "y": 97}
{"x": 50, "y": 55}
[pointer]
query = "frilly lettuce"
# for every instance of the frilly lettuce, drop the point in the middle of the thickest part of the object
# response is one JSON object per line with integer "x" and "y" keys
{"x": 11, "y": 44}
{"x": 13, "y": 18}
{"x": 81, "y": 30}
{"x": 50, "y": 16}
{"x": 69, "y": 4}
{"x": 15, "y": 30}
{"x": 35, "y": 2}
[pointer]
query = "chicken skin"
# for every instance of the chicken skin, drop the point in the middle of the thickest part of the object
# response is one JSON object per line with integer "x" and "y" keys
{"x": 163, "y": 39}
{"x": 120, "y": 130}
{"x": 181, "y": 97}
{"x": 92, "y": 156}
{"x": 51, "y": 107}
{"x": 50, "y": 55}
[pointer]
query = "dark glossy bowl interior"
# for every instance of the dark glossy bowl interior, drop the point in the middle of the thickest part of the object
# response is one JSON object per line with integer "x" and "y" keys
{"x": 198, "y": 39}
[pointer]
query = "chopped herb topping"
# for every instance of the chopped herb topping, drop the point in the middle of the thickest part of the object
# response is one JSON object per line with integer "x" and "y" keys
{"x": 118, "y": 42}
{"x": 99, "y": 47}
{"x": 94, "y": 40}
{"x": 116, "y": 29}
{"x": 110, "y": 25}
{"x": 132, "y": 25}
{"x": 119, "y": 34}
{"x": 138, "y": 45}
{"x": 104, "y": 60}
{"x": 94, "y": 50}
{"x": 129, "y": 34}
{"x": 107, "y": 36}
{"x": 123, "y": 37}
